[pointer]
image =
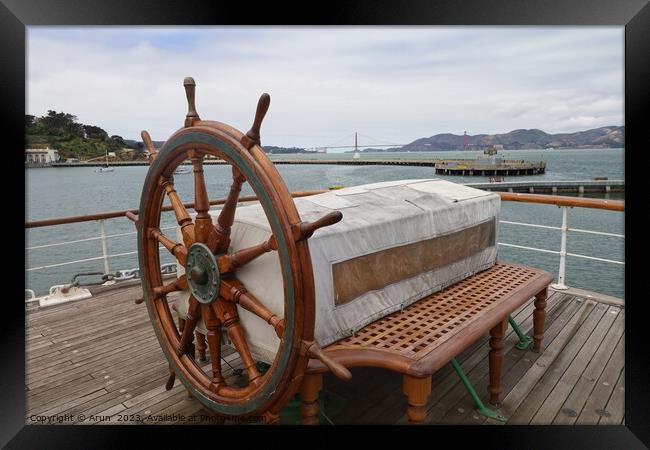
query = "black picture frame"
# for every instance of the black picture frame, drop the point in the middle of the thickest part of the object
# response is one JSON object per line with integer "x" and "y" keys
{"x": 15, "y": 15}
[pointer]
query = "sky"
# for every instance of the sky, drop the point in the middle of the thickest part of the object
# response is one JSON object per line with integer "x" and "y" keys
{"x": 390, "y": 84}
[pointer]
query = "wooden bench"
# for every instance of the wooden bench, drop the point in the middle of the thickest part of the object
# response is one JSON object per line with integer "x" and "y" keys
{"x": 426, "y": 335}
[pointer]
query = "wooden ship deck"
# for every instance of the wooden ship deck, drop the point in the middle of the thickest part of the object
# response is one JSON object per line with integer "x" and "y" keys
{"x": 97, "y": 361}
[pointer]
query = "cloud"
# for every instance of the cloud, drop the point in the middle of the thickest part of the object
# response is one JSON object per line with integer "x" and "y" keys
{"x": 392, "y": 83}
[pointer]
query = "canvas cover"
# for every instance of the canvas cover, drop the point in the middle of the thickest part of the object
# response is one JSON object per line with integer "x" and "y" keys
{"x": 398, "y": 242}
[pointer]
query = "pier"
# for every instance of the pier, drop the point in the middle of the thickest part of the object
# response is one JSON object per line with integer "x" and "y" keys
{"x": 442, "y": 166}
{"x": 336, "y": 162}
{"x": 554, "y": 186}
{"x": 477, "y": 167}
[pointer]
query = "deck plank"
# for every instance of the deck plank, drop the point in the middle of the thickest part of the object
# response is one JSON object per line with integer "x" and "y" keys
{"x": 111, "y": 364}
{"x": 565, "y": 383}
{"x": 596, "y": 404}
{"x": 582, "y": 387}
{"x": 556, "y": 366}
{"x": 615, "y": 410}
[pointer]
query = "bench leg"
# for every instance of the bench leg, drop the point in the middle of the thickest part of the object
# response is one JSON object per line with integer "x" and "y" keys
{"x": 270, "y": 418}
{"x": 539, "y": 315}
{"x": 200, "y": 345}
{"x": 311, "y": 385}
{"x": 417, "y": 392}
{"x": 496, "y": 360}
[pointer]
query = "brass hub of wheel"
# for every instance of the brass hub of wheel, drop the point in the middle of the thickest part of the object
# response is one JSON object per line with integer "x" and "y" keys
{"x": 203, "y": 277}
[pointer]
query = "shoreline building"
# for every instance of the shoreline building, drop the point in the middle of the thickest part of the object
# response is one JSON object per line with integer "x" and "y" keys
{"x": 41, "y": 156}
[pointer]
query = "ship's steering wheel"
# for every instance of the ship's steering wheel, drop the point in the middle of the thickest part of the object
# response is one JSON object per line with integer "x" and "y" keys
{"x": 211, "y": 267}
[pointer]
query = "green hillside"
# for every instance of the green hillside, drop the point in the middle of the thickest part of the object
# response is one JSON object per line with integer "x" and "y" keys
{"x": 62, "y": 131}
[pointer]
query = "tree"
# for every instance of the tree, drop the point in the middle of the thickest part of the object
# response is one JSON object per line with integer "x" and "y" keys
{"x": 93, "y": 132}
{"x": 118, "y": 141}
{"x": 60, "y": 124}
{"x": 29, "y": 121}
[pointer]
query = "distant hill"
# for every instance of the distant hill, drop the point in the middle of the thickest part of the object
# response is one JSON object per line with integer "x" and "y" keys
{"x": 603, "y": 137}
{"x": 283, "y": 150}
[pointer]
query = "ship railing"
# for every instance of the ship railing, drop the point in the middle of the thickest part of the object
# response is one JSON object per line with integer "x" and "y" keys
{"x": 100, "y": 219}
{"x": 563, "y": 202}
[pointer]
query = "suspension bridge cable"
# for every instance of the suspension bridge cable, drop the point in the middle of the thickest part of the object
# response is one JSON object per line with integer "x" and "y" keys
{"x": 379, "y": 140}
{"x": 349, "y": 136}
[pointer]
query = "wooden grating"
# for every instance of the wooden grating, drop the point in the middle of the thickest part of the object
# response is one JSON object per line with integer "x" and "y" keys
{"x": 422, "y": 326}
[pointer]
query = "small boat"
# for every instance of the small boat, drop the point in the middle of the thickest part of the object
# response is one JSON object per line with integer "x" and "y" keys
{"x": 182, "y": 170}
{"x": 105, "y": 168}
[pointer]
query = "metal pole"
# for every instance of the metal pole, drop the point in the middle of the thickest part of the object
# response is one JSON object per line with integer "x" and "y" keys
{"x": 102, "y": 234}
{"x": 524, "y": 340}
{"x": 480, "y": 406}
{"x": 560, "y": 277}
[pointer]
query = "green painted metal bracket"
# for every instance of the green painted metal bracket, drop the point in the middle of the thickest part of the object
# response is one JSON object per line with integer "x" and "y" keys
{"x": 329, "y": 404}
{"x": 290, "y": 413}
{"x": 480, "y": 406}
{"x": 525, "y": 341}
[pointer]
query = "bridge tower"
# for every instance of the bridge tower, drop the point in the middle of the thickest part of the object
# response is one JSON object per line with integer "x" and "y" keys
{"x": 465, "y": 141}
{"x": 356, "y": 155}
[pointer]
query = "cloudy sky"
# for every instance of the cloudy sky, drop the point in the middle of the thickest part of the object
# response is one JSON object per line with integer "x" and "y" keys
{"x": 392, "y": 84}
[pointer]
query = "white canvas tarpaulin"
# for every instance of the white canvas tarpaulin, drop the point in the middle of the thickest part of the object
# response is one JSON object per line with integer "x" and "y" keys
{"x": 398, "y": 242}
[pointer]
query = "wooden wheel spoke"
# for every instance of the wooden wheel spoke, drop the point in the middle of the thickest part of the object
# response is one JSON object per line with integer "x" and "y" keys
{"x": 213, "y": 337}
{"x": 234, "y": 292}
{"x": 179, "y": 284}
{"x": 305, "y": 230}
{"x": 190, "y": 92}
{"x": 146, "y": 138}
{"x": 193, "y": 315}
{"x": 232, "y": 261}
{"x": 227, "y": 313}
{"x": 252, "y": 137}
{"x": 204, "y": 231}
{"x": 175, "y": 248}
{"x": 182, "y": 217}
{"x": 227, "y": 214}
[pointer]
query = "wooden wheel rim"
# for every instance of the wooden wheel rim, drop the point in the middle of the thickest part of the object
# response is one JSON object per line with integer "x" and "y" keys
{"x": 282, "y": 379}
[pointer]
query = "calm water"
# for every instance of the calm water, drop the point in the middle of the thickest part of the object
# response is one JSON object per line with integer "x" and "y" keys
{"x": 73, "y": 191}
